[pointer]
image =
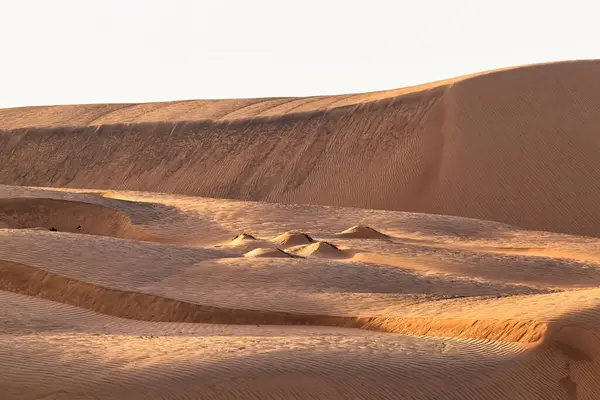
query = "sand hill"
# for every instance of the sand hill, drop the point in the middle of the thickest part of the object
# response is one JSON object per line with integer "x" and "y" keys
{"x": 443, "y": 307}
{"x": 118, "y": 280}
{"x": 517, "y": 146}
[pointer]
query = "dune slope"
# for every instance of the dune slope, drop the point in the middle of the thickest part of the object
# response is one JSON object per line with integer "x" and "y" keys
{"x": 517, "y": 146}
{"x": 399, "y": 305}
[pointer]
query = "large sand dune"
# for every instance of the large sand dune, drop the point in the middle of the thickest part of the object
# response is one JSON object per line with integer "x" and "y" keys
{"x": 199, "y": 250}
{"x": 518, "y": 146}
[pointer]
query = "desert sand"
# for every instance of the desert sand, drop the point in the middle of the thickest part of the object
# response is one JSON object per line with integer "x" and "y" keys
{"x": 434, "y": 242}
{"x": 518, "y": 146}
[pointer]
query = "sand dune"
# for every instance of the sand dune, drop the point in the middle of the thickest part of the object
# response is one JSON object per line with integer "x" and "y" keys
{"x": 300, "y": 274}
{"x": 517, "y": 146}
{"x": 192, "y": 110}
{"x": 443, "y": 307}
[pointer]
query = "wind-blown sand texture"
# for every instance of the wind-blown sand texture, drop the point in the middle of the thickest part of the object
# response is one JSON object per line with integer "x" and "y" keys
{"x": 518, "y": 146}
{"x": 118, "y": 280}
{"x": 427, "y": 307}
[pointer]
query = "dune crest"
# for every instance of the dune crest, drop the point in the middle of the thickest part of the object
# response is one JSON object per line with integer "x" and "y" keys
{"x": 24, "y": 279}
{"x": 293, "y": 238}
{"x": 242, "y": 239}
{"x": 449, "y": 149}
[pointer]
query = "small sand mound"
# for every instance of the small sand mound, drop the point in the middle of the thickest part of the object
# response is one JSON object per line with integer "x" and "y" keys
{"x": 362, "y": 232}
{"x": 244, "y": 236}
{"x": 66, "y": 216}
{"x": 246, "y": 242}
{"x": 241, "y": 239}
{"x": 268, "y": 252}
{"x": 317, "y": 249}
{"x": 293, "y": 238}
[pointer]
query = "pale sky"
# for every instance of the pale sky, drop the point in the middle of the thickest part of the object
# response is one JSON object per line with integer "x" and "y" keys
{"x": 97, "y": 51}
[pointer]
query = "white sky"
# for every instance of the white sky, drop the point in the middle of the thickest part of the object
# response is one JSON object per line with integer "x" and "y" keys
{"x": 96, "y": 51}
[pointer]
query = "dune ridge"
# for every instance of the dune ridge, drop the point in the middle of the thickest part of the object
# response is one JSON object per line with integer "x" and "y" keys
{"x": 194, "y": 110}
{"x": 480, "y": 147}
{"x": 214, "y": 110}
{"x": 23, "y": 279}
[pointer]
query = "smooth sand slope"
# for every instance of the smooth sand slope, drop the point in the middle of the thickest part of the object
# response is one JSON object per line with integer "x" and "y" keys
{"x": 141, "y": 295}
{"x": 518, "y": 146}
